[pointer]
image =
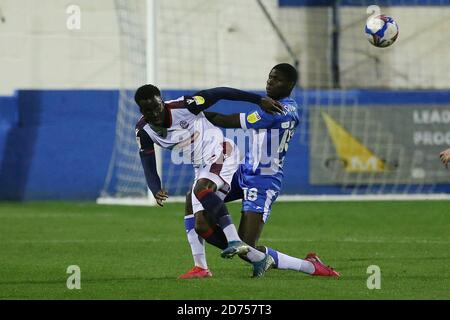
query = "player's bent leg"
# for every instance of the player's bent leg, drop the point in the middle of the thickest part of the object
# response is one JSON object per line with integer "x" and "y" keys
{"x": 204, "y": 192}
{"x": 200, "y": 269}
{"x": 311, "y": 264}
{"x": 212, "y": 233}
{"x": 201, "y": 223}
{"x": 202, "y": 226}
{"x": 188, "y": 204}
{"x": 256, "y": 213}
{"x": 218, "y": 176}
{"x": 250, "y": 229}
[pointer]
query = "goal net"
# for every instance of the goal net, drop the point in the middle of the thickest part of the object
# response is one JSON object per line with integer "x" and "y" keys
{"x": 373, "y": 120}
{"x": 125, "y": 183}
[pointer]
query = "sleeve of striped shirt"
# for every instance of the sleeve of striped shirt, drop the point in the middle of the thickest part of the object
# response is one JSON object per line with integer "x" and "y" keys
{"x": 204, "y": 99}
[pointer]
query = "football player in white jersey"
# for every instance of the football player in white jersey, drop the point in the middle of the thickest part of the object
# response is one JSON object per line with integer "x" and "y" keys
{"x": 258, "y": 181}
{"x": 180, "y": 125}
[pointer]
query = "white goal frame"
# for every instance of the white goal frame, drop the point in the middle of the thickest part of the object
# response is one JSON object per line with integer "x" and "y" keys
{"x": 151, "y": 78}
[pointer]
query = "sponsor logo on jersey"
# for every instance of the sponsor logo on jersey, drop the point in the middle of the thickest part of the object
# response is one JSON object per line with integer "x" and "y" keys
{"x": 253, "y": 117}
{"x": 199, "y": 100}
{"x": 184, "y": 124}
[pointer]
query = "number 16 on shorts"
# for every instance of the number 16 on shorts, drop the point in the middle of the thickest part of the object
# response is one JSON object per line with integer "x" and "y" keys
{"x": 250, "y": 194}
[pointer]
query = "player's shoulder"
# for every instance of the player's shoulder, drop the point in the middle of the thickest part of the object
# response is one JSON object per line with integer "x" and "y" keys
{"x": 289, "y": 105}
{"x": 289, "y": 114}
{"x": 178, "y": 103}
{"x": 143, "y": 137}
{"x": 140, "y": 129}
{"x": 291, "y": 108}
{"x": 142, "y": 132}
{"x": 140, "y": 124}
{"x": 181, "y": 107}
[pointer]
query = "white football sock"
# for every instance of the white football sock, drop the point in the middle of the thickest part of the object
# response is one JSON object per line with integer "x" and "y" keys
{"x": 197, "y": 249}
{"x": 291, "y": 263}
{"x": 255, "y": 255}
{"x": 197, "y": 244}
{"x": 231, "y": 233}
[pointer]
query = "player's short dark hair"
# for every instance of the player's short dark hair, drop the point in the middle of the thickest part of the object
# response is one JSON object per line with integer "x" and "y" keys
{"x": 288, "y": 71}
{"x": 147, "y": 91}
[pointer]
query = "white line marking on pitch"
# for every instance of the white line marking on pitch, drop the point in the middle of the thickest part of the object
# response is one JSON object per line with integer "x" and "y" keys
{"x": 298, "y": 240}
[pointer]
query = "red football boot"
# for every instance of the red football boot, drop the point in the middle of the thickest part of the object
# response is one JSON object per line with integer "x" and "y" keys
{"x": 320, "y": 268}
{"x": 196, "y": 272}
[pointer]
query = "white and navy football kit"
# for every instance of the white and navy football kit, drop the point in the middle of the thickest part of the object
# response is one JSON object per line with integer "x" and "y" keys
{"x": 188, "y": 133}
{"x": 259, "y": 180}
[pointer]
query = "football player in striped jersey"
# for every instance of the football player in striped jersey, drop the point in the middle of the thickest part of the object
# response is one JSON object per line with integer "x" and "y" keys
{"x": 258, "y": 180}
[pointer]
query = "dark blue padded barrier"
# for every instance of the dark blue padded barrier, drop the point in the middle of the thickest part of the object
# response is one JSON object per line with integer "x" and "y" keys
{"x": 58, "y": 144}
{"x": 8, "y": 119}
{"x": 296, "y": 166}
{"x": 373, "y": 97}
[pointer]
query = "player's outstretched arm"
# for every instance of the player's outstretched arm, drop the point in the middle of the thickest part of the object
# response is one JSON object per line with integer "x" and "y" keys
{"x": 224, "y": 120}
{"x": 148, "y": 161}
{"x": 445, "y": 157}
{"x": 206, "y": 98}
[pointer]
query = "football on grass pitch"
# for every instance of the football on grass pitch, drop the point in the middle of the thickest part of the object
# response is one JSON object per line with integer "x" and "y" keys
{"x": 381, "y": 31}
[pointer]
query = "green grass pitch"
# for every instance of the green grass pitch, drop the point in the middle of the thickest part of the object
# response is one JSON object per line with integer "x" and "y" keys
{"x": 138, "y": 252}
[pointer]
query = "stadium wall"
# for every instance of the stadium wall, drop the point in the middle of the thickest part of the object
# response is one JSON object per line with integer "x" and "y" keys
{"x": 210, "y": 43}
{"x": 39, "y": 51}
{"x": 45, "y": 154}
{"x": 57, "y": 144}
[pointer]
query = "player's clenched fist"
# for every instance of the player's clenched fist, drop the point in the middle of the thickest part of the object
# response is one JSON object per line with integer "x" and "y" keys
{"x": 445, "y": 157}
{"x": 271, "y": 106}
{"x": 161, "y": 196}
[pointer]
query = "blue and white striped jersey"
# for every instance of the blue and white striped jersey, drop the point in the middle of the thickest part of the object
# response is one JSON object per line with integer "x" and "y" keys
{"x": 270, "y": 136}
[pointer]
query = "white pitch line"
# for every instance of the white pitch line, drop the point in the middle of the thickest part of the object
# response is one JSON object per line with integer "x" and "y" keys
{"x": 56, "y": 241}
{"x": 296, "y": 198}
{"x": 354, "y": 240}
{"x": 297, "y": 240}
{"x": 52, "y": 215}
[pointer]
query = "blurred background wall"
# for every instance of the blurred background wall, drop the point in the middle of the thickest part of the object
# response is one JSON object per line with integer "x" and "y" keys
{"x": 61, "y": 88}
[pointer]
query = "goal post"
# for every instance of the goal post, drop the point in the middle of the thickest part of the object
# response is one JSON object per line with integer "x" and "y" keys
{"x": 373, "y": 121}
{"x": 125, "y": 183}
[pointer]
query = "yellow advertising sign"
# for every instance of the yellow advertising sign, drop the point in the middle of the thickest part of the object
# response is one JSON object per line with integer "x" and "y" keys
{"x": 356, "y": 156}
